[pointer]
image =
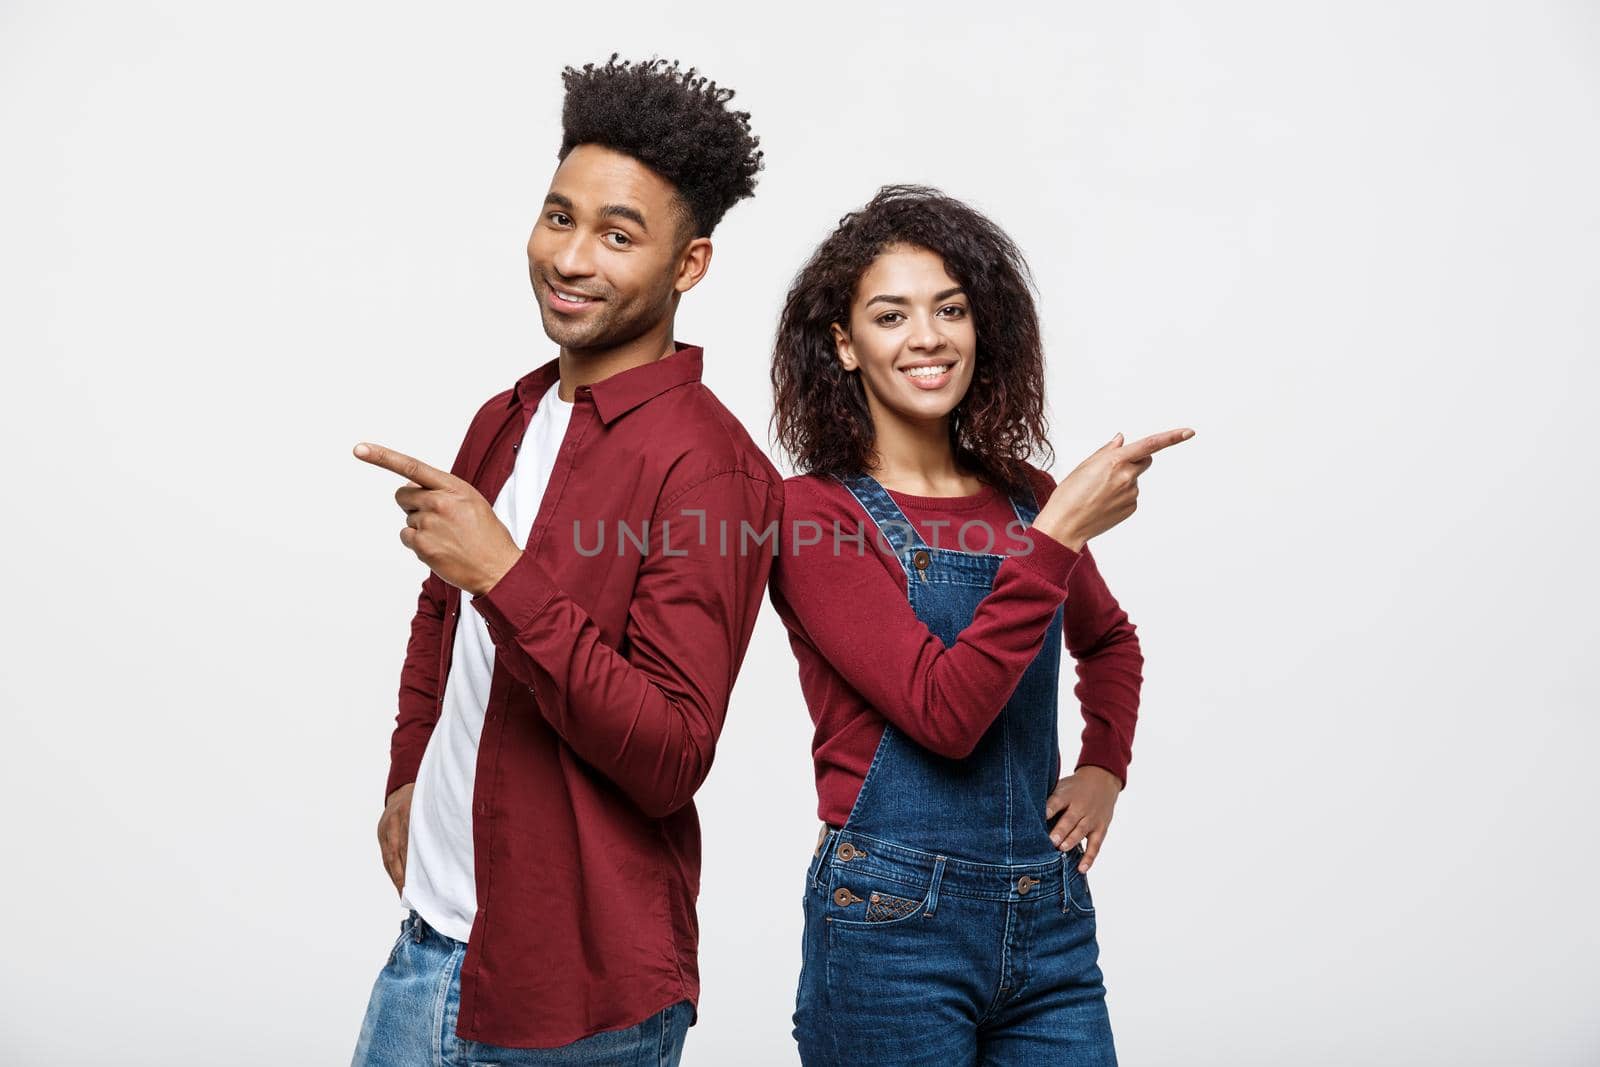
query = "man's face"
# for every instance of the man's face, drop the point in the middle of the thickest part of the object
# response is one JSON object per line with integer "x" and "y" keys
{"x": 607, "y": 256}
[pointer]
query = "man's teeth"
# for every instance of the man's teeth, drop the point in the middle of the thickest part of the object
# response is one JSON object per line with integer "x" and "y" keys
{"x": 926, "y": 372}
{"x": 572, "y": 298}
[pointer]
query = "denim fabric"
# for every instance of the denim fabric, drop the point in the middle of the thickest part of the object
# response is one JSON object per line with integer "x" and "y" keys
{"x": 941, "y": 924}
{"x": 411, "y": 1019}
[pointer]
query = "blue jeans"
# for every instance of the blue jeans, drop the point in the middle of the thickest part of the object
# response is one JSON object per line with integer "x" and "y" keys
{"x": 411, "y": 1019}
{"x": 912, "y": 959}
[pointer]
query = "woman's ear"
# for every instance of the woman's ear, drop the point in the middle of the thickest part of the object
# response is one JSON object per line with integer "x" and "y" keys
{"x": 841, "y": 348}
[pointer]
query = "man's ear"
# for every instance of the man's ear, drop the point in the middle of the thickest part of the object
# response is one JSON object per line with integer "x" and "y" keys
{"x": 693, "y": 262}
{"x": 842, "y": 349}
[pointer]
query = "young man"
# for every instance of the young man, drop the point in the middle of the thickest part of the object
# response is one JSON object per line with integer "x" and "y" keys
{"x": 575, "y": 643}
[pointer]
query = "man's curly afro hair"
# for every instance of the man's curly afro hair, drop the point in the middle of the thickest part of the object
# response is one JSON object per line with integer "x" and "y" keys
{"x": 674, "y": 122}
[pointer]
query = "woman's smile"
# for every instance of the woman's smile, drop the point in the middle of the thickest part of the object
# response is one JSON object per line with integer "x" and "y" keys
{"x": 931, "y": 375}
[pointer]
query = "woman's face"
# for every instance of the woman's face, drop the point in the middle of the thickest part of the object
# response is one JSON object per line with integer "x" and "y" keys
{"x": 910, "y": 337}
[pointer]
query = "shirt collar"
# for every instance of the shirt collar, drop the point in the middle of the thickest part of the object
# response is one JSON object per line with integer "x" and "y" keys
{"x": 622, "y": 392}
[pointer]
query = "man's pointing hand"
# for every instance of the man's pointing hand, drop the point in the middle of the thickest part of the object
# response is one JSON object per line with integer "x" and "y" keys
{"x": 449, "y": 525}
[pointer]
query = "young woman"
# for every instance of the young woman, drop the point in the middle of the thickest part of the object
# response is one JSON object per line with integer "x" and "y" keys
{"x": 928, "y": 595}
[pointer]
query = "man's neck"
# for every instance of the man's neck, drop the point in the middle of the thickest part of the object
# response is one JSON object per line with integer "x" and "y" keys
{"x": 588, "y": 366}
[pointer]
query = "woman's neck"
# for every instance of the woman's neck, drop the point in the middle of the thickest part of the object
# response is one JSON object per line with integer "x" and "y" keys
{"x": 916, "y": 458}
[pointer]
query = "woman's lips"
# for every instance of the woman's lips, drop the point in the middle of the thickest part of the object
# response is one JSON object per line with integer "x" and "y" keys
{"x": 929, "y": 380}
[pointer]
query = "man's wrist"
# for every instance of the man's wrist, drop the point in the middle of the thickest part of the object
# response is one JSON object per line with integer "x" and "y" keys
{"x": 492, "y": 574}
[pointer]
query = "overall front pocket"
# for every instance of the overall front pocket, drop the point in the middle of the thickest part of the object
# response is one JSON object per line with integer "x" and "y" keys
{"x": 871, "y": 900}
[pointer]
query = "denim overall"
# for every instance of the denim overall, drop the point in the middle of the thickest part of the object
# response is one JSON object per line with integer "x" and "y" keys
{"x": 942, "y": 926}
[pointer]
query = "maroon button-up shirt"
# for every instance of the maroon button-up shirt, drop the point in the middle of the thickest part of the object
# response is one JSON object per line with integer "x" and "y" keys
{"x": 617, "y": 637}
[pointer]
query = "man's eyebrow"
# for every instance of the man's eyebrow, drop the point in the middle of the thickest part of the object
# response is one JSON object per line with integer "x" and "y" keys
{"x": 623, "y": 211}
{"x": 620, "y": 211}
{"x": 889, "y": 299}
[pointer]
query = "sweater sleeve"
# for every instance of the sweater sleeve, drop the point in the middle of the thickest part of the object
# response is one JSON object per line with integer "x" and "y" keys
{"x": 1105, "y": 648}
{"x": 853, "y": 609}
{"x": 1105, "y": 645}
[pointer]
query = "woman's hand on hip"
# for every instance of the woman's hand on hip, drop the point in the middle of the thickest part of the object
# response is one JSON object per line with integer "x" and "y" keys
{"x": 1084, "y": 800}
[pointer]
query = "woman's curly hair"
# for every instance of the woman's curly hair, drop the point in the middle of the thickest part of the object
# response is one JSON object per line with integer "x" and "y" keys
{"x": 821, "y": 409}
{"x": 674, "y": 122}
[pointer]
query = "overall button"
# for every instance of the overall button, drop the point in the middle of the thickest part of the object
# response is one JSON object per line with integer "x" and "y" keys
{"x": 921, "y": 558}
{"x": 848, "y": 852}
{"x": 1024, "y": 884}
{"x": 844, "y": 898}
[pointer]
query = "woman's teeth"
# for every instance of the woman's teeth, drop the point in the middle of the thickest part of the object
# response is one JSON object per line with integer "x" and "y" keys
{"x": 925, "y": 372}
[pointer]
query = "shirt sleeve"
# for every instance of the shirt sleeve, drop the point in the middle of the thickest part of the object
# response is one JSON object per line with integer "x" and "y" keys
{"x": 648, "y": 719}
{"x": 855, "y": 612}
{"x": 419, "y": 673}
{"x": 419, "y": 687}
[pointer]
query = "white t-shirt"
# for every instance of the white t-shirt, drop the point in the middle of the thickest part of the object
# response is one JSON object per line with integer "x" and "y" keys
{"x": 440, "y": 882}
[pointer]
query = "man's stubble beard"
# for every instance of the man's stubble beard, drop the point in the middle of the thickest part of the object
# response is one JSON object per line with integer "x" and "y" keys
{"x": 612, "y": 328}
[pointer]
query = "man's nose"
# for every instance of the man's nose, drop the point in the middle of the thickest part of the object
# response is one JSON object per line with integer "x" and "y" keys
{"x": 573, "y": 258}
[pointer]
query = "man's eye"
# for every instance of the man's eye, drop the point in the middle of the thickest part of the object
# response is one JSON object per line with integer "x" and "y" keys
{"x": 619, "y": 239}
{"x": 559, "y": 218}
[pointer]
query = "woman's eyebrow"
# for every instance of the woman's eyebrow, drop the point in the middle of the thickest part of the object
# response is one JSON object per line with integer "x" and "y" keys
{"x": 888, "y": 299}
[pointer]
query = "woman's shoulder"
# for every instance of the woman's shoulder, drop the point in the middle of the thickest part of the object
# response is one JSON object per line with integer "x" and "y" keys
{"x": 819, "y": 516}
{"x": 815, "y": 496}
{"x": 1041, "y": 480}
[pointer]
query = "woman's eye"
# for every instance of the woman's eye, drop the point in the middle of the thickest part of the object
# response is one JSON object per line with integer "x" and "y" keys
{"x": 955, "y": 311}
{"x": 889, "y": 318}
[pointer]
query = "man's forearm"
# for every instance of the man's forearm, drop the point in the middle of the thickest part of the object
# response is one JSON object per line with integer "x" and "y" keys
{"x": 649, "y": 720}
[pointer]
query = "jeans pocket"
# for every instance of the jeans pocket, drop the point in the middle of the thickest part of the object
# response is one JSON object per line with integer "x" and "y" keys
{"x": 808, "y": 925}
{"x": 394, "y": 950}
{"x": 1079, "y": 899}
{"x": 870, "y": 900}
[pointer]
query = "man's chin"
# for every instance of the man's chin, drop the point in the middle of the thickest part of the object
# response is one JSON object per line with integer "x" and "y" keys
{"x": 567, "y": 336}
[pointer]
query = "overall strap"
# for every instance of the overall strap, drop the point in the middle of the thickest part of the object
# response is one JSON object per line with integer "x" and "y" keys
{"x": 897, "y": 530}
{"x": 1025, "y": 506}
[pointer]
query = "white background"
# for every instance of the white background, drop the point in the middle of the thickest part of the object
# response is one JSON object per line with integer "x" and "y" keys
{"x": 1353, "y": 245}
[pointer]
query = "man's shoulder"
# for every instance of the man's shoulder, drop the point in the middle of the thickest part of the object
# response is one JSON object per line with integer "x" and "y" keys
{"x": 711, "y": 441}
